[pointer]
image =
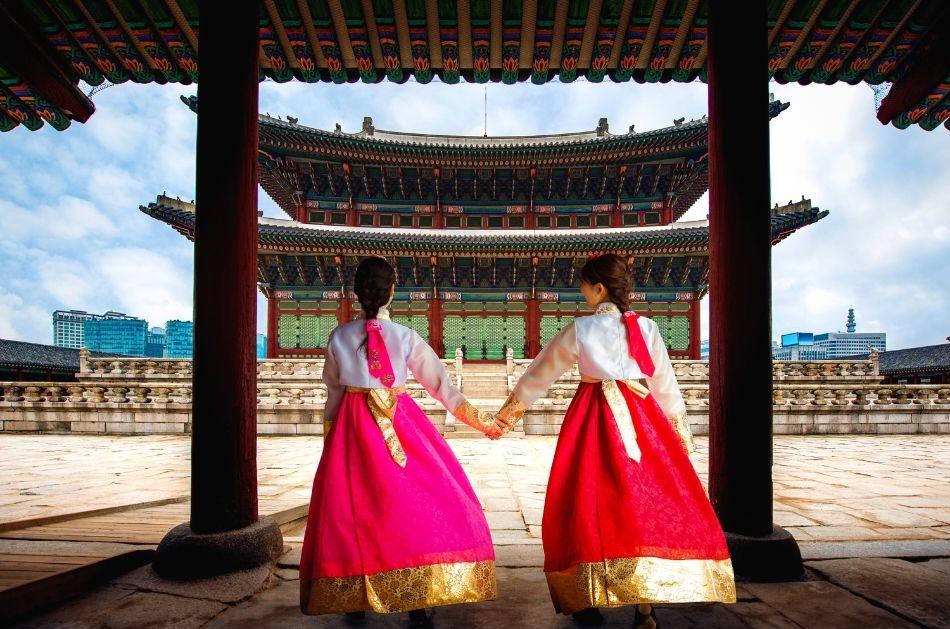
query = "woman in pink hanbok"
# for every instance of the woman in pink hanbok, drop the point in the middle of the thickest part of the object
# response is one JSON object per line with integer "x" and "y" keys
{"x": 394, "y": 524}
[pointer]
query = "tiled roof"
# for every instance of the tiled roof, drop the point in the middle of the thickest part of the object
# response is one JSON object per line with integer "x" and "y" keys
{"x": 37, "y": 355}
{"x": 915, "y": 359}
{"x": 287, "y": 235}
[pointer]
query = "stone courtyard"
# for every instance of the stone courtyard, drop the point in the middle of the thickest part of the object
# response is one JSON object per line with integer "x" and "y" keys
{"x": 871, "y": 514}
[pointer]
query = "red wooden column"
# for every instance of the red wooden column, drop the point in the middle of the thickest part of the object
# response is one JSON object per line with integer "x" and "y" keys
{"x": 435, "y": 324}
{"x": 740, "y": 363}
{"x": 345, "y": 311}
{"x": 224, "y": 532}
{"x": 271, "y": 327}
{"x": 532, "y": 328}
{"x": 695, "y": 339}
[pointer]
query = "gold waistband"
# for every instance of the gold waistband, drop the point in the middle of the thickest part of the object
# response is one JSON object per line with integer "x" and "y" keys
{"x": 641, "y": 381}
{"x": 396, "y": 390}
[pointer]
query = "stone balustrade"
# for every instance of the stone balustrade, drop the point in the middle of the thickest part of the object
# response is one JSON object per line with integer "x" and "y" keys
{"x": 687, "y": 371}
{"x": 148, "y": 395}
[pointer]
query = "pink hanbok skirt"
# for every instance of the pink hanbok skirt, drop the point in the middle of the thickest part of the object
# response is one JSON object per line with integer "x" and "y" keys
{"x": 386, "y": 538}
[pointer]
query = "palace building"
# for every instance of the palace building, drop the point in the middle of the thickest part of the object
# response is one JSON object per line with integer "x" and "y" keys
{"x": 486, "y": 233}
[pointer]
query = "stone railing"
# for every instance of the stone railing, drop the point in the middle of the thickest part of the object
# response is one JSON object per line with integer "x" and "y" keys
{"x": 799, "y": 409}
{"x": 154, "y": 396}
{"x": 687, "y": 371}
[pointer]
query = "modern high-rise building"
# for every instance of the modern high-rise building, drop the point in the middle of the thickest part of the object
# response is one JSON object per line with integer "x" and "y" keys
{"x": 179, "y": 337}
{"x": 155, "y": 342}
{"x": 262, "y": 346}
{"x": 116, "y": 333}
{"x": 68, "y": 326}
{"x": 830, "y": 345}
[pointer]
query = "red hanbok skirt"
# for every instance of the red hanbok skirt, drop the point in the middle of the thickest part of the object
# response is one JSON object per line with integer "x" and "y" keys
{"x": 616, "y": 531}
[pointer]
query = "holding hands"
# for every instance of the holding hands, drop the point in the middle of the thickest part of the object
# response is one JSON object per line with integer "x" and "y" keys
{"x": 492, "y": 425}
{"x": 495, "y": 427}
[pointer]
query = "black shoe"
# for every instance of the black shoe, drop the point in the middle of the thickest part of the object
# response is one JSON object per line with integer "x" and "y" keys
{"x": 419, "y": 618}
{"x": 354, "y": 618}
{"x": 645, "y": 621}
{"x": 589, "y": 617}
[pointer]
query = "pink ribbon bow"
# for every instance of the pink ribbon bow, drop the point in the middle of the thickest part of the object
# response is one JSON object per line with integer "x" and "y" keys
{"x": 380, "y": 366}
{"x": 638, "y": 346}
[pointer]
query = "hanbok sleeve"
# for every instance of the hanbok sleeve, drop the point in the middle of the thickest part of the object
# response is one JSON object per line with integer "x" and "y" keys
{"x": 552, "y": 361}
{"x": 331, "y": 378}
{"x": 666, "y": 391}
{"x": 428, "y": 369}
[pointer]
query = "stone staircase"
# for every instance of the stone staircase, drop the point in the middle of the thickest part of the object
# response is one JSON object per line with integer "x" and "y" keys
{"x": 486, "y": 386}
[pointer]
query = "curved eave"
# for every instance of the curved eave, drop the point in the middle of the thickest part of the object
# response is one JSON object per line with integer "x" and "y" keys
{"x": 286, "y": 139}
{"x": 869, "y": 41}
{"x": 285, "y": 236}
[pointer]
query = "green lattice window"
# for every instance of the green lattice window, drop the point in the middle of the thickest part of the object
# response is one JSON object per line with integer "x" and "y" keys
{"x": 419, "y": 323}
{"x": 674, "y": 330}
{"x": 287, "y": 327}
{"x": 304, "y": 331}
{"x": 551, "y": 325}
{"x": 483, "y": 338}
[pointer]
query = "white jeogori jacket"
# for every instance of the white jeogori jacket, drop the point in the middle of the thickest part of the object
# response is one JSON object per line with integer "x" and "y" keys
{"x": 598, "y": 344}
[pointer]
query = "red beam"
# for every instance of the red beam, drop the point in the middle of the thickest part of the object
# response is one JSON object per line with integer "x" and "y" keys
{"x": 435, "y": 325}
{"x": 532, "y": 324}
{"x": 695, "y": 338}
{"x": 32, "y": 60}
{"x": 271, "y": 327}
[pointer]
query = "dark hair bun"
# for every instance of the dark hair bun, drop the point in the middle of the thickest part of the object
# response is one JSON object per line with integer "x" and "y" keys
{"x": 374, "y": 278}
{"x": 610, "y": 270}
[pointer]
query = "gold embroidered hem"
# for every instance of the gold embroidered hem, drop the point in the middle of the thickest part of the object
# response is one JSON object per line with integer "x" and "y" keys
{"x": 627, "y": 581}
{"x": 401, "y": 590}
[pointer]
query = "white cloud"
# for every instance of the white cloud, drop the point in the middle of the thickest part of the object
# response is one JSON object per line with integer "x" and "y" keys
{"x": 141, "y": 280}
{"x": 71, "y": 234}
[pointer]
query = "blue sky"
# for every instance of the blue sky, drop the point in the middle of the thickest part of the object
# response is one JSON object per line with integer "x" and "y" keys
{"x": 71, "y": 234}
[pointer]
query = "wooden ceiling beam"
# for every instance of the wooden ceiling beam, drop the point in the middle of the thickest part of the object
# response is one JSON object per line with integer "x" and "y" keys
{"x": 32, "y": 60}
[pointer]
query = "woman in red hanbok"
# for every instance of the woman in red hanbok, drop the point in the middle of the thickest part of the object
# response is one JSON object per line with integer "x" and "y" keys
{"x": 626, "y": 519}
{"x": 394, "y": 524}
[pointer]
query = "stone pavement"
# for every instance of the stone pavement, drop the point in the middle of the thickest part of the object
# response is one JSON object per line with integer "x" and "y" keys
{"x": 843, "y": 488}
{"x": 872, "y": 514}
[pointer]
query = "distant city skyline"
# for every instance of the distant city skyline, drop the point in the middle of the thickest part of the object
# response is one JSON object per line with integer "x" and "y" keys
{"x": 174, "y": 340}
